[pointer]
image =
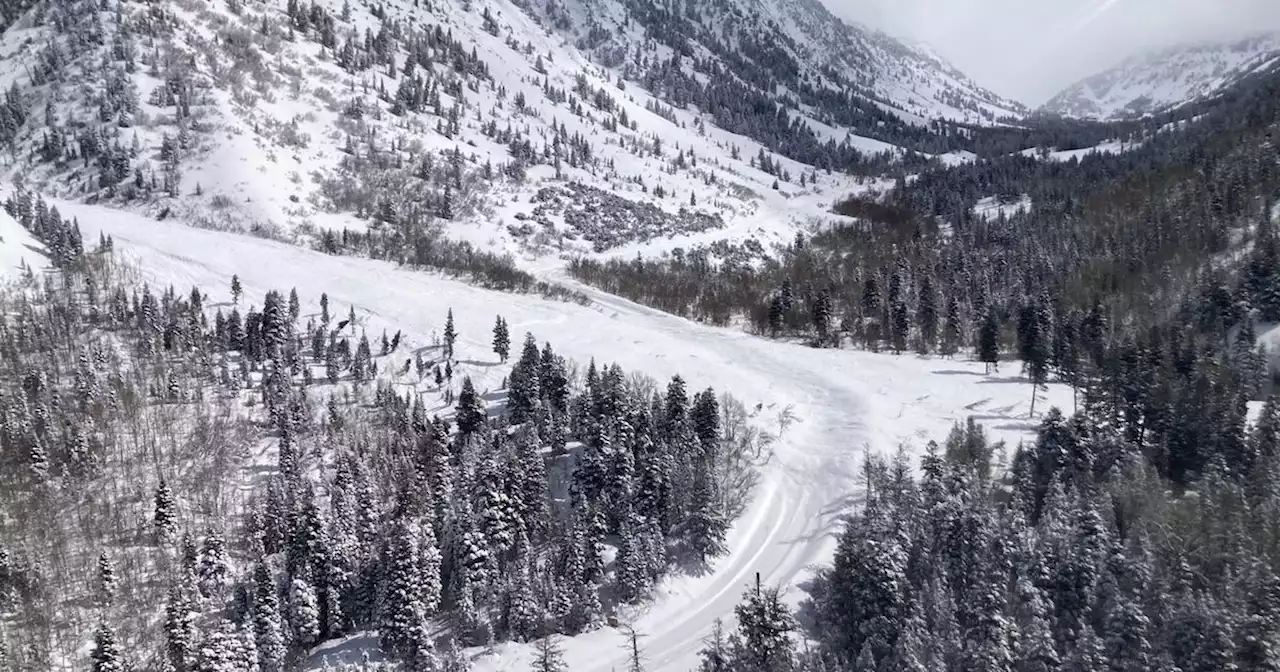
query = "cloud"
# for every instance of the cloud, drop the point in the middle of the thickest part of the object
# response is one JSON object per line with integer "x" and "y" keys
{"x": 1031, "y": 49}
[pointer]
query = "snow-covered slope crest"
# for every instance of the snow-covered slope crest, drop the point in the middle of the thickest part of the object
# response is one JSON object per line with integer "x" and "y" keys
{"x": 1165, "y": 79}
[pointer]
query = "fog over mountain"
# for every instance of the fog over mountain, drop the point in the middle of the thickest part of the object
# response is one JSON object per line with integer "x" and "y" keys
{"x": 1031, "y": 50}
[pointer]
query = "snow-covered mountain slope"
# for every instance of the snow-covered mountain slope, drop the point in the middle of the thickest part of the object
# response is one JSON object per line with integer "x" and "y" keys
{"x": 399, "y": 117}
{"x": 843, "y": 402}
{"x": 793, "y": 47}
{"x": 1158, "y": 81}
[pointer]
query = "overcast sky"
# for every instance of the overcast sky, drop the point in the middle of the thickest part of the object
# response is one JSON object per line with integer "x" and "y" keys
{"x": 1031, "y": 49}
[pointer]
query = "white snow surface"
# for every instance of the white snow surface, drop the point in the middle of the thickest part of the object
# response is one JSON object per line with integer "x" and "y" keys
{"x": 845, "y": 402}
{"x": 991, "y": 208}
{"x": 1158, "y": 81}
{"x": 18, "y": 249}
{"x": 1108, "y": 147}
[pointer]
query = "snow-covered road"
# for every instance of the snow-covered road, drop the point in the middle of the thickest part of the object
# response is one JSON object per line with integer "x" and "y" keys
{"x": 844, "y": 401}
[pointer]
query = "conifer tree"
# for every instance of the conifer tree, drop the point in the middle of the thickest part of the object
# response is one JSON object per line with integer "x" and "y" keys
{"x": 952, "y": 329}
{"x": 268, "y": 626}
{"x": 631, "y": 568}
{"x": 927, "y": 314}
{"x": 236, "y": 289}
{"x": 220, "y": 651}
{"x": 106, "y": 654}
{"x": 525, "y": 390}
{"x": 989, "y": 341}
{"x": 106, "y": 581}
{"x": 213, "y": 568}
{"x": 180, "y": 629}
{"x": 402, "y": 625}
{"x": 716, "y": 654}
{"x": 469, "y": 413}
{"x": 164, "y": 520}
{"x": 450, "y": 336}
{"x": 822, "y": 317}
{"x": 764, "y": 633}
{"x": 705, "y": 526}
{"x": 501, "y": 340}
{"x": 304, "y": 613}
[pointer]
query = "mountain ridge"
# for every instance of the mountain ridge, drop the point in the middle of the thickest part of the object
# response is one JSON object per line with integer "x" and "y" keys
{"x": 1166, "y": 78}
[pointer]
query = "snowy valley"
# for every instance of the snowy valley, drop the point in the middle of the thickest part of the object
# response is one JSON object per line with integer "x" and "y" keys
{"x": 624, "y": 334}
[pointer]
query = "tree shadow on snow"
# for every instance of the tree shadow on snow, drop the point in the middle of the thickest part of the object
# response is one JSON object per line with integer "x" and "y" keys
{"x": 478, "y": 363}
{"x": 806, "y": 612}
{"x": 348, "y": 650}
{"x": 1006, "y": 380}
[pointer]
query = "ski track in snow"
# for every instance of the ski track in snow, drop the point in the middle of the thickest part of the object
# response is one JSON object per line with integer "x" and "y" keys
{"x": 844, "y": 402}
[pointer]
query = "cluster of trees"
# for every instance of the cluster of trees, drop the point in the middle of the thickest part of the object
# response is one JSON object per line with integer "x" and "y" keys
{"x": 1135, "y": 535}
{"x": 1111, "y": 245}
{"x": 92, "y": 137}
{"x": 426, "y": 247}
{"x": 1084, "y": 555}
{"x": 129, "y": 415}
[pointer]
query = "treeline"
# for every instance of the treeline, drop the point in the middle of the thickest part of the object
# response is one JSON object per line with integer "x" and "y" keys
{"x": 272, "y": 477}
{"x": 419, "y": 246}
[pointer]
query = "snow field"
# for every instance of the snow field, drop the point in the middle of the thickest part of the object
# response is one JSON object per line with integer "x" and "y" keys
{"x": 18, "y": 249}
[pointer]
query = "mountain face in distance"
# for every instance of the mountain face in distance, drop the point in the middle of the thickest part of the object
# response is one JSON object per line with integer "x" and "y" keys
{"x": 1161, "y": 80}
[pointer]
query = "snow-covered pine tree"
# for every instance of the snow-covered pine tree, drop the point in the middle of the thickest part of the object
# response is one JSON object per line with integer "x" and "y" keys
{"x": 704, "y": 527}
{"x": 213, "y": 567}
{"x": 107, "y": 581}
{"x": 764, "y": 641}
{"x": 469, "y": 415}
{"x": 268, "y": 626}
{"x": 716, "y": 654}
{"x": 450, "y": 336}
{"x": 220, "y": 650}
{"x": 106, "y": 655}
{"x": 303, "y": 613}
{"x": 402, "y": 625}
{"x": 631, "y": 568}
{"x": 501, "y": 340}
{"x": 989, "y": 341}
{"x": 164, "y": 518}
{"x": 452, "y": 659}
{"x": 180, "y": 629}
{"x": 524, "y": 391}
